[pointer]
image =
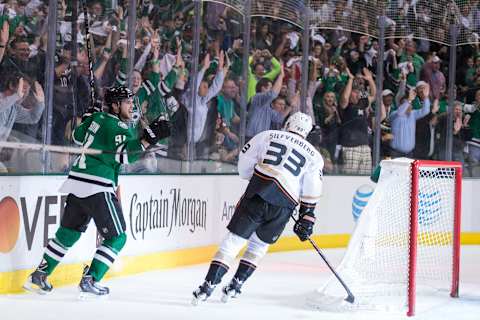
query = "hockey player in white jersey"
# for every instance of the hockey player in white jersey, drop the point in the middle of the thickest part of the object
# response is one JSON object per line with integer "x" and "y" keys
{"x": 284, "y": 171}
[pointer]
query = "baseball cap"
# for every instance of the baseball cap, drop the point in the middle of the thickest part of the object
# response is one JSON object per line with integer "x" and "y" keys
{"x": 387, "y": 92}
{"x": 436, "y": 59}
{"x": 420, "y": 84}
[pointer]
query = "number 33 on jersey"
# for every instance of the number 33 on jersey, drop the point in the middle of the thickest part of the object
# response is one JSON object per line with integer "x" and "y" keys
{"x": 288, "y": 160}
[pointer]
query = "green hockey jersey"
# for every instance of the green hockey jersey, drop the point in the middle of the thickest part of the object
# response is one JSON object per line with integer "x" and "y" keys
{"x": 92, "y": 174}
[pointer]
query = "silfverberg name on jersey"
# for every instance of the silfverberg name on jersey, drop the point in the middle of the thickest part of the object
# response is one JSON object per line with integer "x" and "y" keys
{"x": 298, "y": 141}
{"x": 167, "y": 211}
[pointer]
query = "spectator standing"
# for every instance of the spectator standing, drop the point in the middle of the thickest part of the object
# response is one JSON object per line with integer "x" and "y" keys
{"x": 205, "y": 93}
{"x": 473, "y": 123}
{"x": 404, "y": 123}
{"x": 11, "y": 109}
{"x": 257, "y": 70}
{"x": 410, "y": 55}
{"x": 459, "y": 134}
{"x": 432, "y": 75}
{"x": 262, "y": 115}
{"x": 227, "y": 102}
{"x": 354, "y": 134}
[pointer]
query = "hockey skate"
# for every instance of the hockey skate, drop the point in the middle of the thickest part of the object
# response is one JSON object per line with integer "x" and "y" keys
{"x": 37, "y": 282}
{"x": 89, "y": 288}
{"x": 203, "y": 292}
{"x": 232, "y": 290}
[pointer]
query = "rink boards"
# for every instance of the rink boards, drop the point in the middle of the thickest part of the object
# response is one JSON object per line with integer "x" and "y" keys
{"x": 170, "y": 221}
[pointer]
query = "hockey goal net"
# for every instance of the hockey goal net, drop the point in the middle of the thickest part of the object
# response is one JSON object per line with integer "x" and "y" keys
{"x": 406, "y": 243}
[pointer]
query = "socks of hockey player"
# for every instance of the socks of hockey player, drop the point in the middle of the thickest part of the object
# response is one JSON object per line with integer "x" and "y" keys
{"x": 216, "y": 271}
{"x": 106, "y": 255}
{"x": 56, "y": 249}
{"x": 244, "y": 271}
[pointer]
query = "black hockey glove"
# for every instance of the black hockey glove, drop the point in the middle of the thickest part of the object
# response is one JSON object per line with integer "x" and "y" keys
{"x": 303, "y": 228}
{"x": 96, "y": 106}
{"x": 161, "y": 127}
{"x": 157, "y": 130}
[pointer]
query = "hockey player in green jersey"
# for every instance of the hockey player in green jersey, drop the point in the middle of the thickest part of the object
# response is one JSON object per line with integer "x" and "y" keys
{"x": 91, "y": 187}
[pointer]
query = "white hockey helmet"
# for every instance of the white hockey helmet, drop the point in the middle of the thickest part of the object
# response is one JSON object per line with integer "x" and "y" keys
{"x": 299, "y": 123}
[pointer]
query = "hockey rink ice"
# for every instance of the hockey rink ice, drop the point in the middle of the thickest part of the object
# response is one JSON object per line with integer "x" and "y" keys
{"x": 278, "y": 290}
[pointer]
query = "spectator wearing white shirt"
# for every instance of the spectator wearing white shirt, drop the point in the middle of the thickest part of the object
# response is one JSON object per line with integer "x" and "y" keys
{"x": 205, "y": 93}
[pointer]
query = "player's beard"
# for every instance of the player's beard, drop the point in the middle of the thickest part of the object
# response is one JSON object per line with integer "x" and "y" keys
{"x": 125, "y": 114}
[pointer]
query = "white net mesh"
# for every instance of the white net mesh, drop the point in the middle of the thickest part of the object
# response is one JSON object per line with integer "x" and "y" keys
{"x": 375, "y": 266}
{"x": 355, "y": 16}
{"x": 238, "y": 5}
{"x": 287, "y": 10}
{"x": 421, "y": 20}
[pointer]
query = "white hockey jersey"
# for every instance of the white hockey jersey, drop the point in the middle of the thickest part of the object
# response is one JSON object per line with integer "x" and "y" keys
{"x": 287, "y": 159}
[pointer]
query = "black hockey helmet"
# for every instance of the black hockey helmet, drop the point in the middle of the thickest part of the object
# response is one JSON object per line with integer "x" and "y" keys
{"x": 117, "y": 94}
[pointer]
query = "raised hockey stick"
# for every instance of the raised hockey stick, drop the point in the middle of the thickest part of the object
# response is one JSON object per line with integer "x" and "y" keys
{"x": 93, "y": 93}
{"x": 350, "y": 298}
{"x": 63, "y": 149}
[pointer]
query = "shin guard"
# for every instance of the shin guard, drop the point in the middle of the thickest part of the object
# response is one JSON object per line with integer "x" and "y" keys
{"x": 105, "y": 256}
{"x": 56, "y": 249}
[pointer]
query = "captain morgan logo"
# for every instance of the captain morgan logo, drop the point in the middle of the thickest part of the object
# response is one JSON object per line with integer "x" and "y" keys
{"x": 166, "y": 211}
{"x": 9, "y": 224}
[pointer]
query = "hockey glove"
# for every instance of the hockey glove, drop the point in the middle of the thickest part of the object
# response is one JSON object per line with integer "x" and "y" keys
{"x": 158, "y": 129}
{"x": 96, "y": 106}
{"x": 303, "y": 228}
{"x": 161, "y": 127}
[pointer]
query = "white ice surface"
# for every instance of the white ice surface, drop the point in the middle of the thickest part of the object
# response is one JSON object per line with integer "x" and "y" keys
{"x": 277, "y": 290}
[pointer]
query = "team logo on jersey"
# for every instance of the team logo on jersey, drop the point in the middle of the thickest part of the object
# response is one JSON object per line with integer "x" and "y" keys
{"x": 246, "y": 147}
{"x": 122, "y": 125}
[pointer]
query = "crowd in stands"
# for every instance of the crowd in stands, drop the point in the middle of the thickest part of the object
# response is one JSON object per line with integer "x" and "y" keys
{"x": 341, "y": 95}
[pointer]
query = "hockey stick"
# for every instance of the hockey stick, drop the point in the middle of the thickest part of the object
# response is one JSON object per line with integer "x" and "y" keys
{"x": 63, "y": 149}
{"x": 46, "y": 147}
{"x": 351, "y": 297}
{"x": 93, "y": 95}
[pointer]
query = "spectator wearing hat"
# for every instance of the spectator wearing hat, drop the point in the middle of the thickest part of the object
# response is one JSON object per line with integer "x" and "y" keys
{"x": 417, "y": 103}
{"x": 432, "y": 75}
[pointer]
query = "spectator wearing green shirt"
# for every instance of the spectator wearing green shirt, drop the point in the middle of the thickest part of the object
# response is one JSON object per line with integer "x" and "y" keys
{"x": 257, "y": 70}
{"x": 410, "y": 55}
{"x": 472, "y": 76}
{"x": 472, "y": 120}
{"x": 226, "y": 102}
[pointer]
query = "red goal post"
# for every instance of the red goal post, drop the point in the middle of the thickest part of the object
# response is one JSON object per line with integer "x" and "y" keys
{"x": 417, "y": 167}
